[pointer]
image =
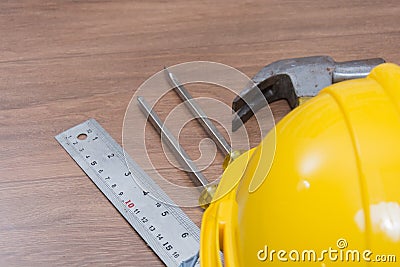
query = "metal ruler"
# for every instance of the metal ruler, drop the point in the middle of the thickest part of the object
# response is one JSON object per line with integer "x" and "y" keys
{"x": 165, "y": 228}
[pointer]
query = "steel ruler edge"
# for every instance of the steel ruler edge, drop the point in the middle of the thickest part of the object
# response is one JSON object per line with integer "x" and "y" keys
{"x": 166, "y": 229}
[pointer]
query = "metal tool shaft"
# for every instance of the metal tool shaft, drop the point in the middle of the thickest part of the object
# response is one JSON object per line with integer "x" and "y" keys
{"x": 173, "y": 144}
{"x": 199, "y": 114}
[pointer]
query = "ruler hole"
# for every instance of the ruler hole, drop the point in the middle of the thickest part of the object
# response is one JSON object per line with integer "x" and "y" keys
{"x": 82, "y": 136}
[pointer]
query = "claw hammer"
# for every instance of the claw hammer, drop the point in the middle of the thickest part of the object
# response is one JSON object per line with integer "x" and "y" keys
{"x": 292, "y": 79}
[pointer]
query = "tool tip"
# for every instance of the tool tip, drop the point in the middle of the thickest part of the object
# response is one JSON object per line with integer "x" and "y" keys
{"x": 171, "y": 77}
{"x": 167, "y": 71}
{"x": 141, "y": 101}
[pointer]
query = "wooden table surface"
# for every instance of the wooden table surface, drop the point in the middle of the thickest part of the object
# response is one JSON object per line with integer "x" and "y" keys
{"x": 62, "y": 62}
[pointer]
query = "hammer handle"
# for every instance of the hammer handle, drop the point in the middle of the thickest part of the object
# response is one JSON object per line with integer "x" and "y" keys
{"x": 354, "y": 69}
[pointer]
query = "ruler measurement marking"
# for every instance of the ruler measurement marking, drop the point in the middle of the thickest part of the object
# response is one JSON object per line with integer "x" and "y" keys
{"x": 144, "y": 221}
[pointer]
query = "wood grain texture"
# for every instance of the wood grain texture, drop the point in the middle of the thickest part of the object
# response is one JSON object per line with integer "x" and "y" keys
{"x": 62, "y": 62}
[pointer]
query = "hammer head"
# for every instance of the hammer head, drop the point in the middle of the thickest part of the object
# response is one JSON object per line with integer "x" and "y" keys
{"x": 291, "y": 79}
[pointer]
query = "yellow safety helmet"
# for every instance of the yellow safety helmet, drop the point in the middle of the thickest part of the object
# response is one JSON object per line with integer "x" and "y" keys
{"x": 332, "y": 194}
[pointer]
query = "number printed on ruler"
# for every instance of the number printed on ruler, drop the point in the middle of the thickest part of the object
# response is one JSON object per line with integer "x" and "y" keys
{"x": 166, "y": 229}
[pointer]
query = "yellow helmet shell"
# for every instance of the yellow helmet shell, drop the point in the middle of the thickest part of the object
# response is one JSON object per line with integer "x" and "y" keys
{"x": 334, "y": 183}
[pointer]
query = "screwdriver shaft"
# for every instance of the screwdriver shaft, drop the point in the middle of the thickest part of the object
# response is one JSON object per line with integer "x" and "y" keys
{"x": 180, "y": 154}
{"x": 199, "y": 114}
